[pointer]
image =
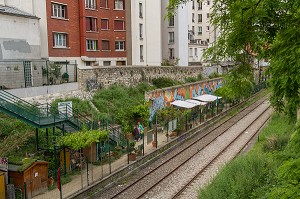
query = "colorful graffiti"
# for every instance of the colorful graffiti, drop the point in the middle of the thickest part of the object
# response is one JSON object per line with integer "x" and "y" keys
{"x": 159, "y": 99}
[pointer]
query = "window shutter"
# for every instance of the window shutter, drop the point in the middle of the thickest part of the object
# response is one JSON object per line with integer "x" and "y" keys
{"x": 119, "y": 25}
{"x": 104, "y": 24}
{"x": 88, "y": 24}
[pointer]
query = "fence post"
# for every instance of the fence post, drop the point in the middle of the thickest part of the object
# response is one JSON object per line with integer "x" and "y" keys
{"x": 25, "y": 190}
{"x": 87, "y": 170}
{"x": 109, "y": 161}
{"x": 75, "y": 71}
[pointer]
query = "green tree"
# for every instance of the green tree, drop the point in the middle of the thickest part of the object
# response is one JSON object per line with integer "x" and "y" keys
{"x": 261, "y": 28}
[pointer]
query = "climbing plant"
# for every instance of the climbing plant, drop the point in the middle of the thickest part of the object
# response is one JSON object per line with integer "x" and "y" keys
{"x": 82, "y": 138}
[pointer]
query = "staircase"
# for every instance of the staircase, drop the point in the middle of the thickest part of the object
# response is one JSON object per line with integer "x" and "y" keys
{"x": 40, "y": 115}
{"x": 46, "y": 116}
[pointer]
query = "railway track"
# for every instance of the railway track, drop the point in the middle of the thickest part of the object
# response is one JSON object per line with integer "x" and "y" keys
{"x": 180, "y": 193}
{"x": 143, "y": 185}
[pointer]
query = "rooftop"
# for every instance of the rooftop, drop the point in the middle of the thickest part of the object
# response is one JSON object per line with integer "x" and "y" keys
{"x": 7, "y": 10}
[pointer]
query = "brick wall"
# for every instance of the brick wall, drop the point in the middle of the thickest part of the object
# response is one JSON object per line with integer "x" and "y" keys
{"x": 70, "y": 25}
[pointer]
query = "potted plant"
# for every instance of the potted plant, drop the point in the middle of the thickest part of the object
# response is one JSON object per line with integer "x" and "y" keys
{"x": 131, "y": 151}
{"x": 65, "y": 77}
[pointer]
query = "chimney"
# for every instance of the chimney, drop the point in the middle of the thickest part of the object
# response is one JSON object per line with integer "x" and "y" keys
{"x": 2, "y": 2}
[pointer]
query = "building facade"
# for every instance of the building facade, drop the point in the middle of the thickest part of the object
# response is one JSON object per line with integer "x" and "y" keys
{"x": 144, "y": 32}
{"x": 20, "y": 39}
{"x": 201, "y": 33}
{"x": 92, "y": 32}
{"x": 175, "y": 36}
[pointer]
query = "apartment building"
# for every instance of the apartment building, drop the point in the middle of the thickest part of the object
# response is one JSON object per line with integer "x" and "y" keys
{"x": 201, "y": 33}
{"x": 175, "y": 35}
{"x": 143, "y": 27}
{"x": 92, "y": 32}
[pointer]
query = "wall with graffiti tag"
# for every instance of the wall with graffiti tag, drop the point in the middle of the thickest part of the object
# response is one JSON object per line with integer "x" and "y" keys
{"x": 161, "y": 98}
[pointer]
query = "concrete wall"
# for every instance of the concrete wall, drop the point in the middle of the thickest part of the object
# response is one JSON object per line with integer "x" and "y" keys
{"x": 153, "y": 33}
{"x": 129, "y": 76}
{"x": 181, "y": 38}
{"x": 151, "y": 21}
{"x": 43, "y": 90}
{"x": 180, "y": 30}
{"x": 20, "y": 39}
{"x": 36, "y": 8}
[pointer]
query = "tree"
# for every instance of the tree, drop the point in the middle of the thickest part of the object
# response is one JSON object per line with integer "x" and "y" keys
{"x": 265, "y": 29}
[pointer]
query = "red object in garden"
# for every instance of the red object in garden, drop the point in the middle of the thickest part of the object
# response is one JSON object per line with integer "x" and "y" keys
{"x": 58, "y": 179}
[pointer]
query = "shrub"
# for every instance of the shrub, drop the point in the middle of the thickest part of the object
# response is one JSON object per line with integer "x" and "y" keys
{"x": 191, "y": 79}
{"x": 214, "y": 75}
{"x": 163, "y": 82}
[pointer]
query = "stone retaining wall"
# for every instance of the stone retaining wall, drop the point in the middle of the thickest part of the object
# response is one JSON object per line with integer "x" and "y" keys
{"x": 129, "y": 76}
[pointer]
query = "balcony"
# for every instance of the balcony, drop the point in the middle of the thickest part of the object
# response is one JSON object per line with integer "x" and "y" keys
{"x": 198, "y": 42}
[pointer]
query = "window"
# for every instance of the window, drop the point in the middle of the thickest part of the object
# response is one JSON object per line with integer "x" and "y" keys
{"x": 91, "y": 24}
{"x": 207, "y": 15}
{"x": 207, "y": 40}
{"x": 119, "y": 25}
{"x": 141, "y": 31}
{"x": 195, "y": 49}
{"x": 119, "y": 5}
{"x": 141, "y": 53}
{"x": 59, "y": 11}
{"x": 191, "y": 52}
{"x": 105, "y": 45}
{"x": 104, "y": 24}
{"x": 120, "y": 46}
{"x": 91, "y": 4}
{"x": 60, "y": 40}
{"x": 193, "y": 29}
{"x": 199, "y": 5}
{"x": 207, "y": 28}
{"x": 106, "y": 63}
{"x": 103, "y": 4}
{"x": 120, "y": 63}
{"x": 171, "y": 21}
{"x": 141, "y": 10}
{"x": 199, "y": 18}
{"x": 91, "y": 45}
{"x": 88, "y": 63}
{"x": 193, "y": 17}
{"x": 193, "y": 4}
{"x": 171, "y": 53}
{"x": 208, "y": 3}
{"x": 199, "y": 30}
{"x": 171, "y": 37}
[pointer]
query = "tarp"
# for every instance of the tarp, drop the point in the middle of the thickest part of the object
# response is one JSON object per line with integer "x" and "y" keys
{"x": 207, "y": 98}
{"x": 183, "y": 104}
{"x": 196, "y": 102}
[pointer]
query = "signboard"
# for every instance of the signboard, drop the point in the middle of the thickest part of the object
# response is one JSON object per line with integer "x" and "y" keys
{"x": 172, "y": 125}
{"x": 65, "y": 109}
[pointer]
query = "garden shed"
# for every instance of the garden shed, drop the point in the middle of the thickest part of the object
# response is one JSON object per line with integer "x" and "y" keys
{"x": 2, "y": 185}
{"x": 31, "y": 177}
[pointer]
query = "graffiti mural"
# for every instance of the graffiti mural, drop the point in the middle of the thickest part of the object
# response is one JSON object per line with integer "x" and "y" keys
{"x": 159, "y": 99}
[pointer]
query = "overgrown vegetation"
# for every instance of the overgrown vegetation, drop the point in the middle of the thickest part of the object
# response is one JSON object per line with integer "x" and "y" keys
{"x": 17, "y": 138}
{"x": 194, "y": 79}
{"x": 123, "y": 104}
{"x": 270, "y": 170}
{"x": 163, "y": 82}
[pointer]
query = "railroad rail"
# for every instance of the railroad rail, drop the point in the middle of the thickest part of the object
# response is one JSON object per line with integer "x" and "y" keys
{"x": 178, "y": 157}
{"x": 192, "y": 180}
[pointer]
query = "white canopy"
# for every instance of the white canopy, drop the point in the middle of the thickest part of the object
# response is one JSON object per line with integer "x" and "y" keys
{"x": 207, "y": 98}
{"x": 183, "y": 104}
{"x": 196, "y": 102}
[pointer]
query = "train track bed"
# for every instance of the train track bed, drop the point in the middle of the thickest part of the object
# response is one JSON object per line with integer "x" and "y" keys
{"x": 173, "y": 168}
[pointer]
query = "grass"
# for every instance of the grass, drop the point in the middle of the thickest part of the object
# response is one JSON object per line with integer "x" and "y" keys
{"x": 258, "y": 174}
